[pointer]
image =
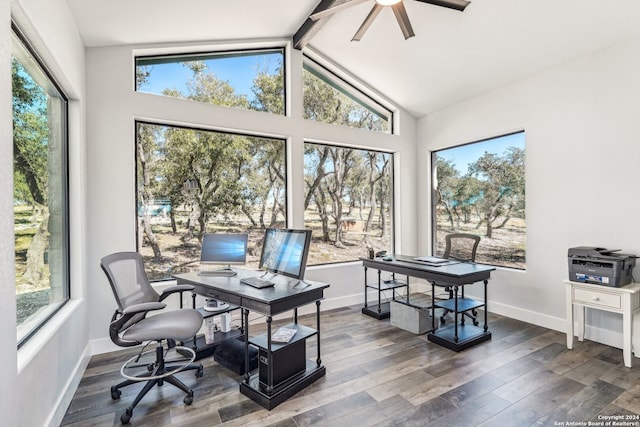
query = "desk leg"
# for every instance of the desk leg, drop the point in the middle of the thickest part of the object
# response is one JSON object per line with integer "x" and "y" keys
{"x": 318, "y": 360}
{"x": 569, "y": 301}
{"x": 433, "y": 307}
{"x": 580, "y": 319}
{"x": 269, "y": 357}
{"x": 627, "y": 327}
{"x": 245, "y": 321}
{"x": 407, "y": 291}
{"x": 635, "y": 332}
{"x": 455, "y": 314}
{"x": 486, "y": 310}
{"x": 365, "y": 287}
{"x": 379, "y": 291}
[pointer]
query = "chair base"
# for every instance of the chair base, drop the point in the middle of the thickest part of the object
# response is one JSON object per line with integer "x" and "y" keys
{"x": 157, "y": 373}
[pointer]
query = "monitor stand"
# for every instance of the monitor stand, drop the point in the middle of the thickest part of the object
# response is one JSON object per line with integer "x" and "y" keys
{"x": 222, "y": 272}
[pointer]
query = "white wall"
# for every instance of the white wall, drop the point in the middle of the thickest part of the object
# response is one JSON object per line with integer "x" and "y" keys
{"x": 40, "y": 378}
{"x": 112, "y": 108}
{"x": 7, "y": 255}
{"x": 582, "y": 147}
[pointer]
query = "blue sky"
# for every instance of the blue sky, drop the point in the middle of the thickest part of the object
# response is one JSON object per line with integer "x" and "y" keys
{"x": 463, "y": 155}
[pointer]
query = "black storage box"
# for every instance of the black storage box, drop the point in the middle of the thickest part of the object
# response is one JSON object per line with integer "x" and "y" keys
{"x": 288, "y": 361}
{"x": 230, "y": 354}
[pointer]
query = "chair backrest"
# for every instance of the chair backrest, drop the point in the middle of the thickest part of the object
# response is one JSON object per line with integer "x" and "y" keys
{"x": 461, "y": 246}
{"x": 129, "y": 282}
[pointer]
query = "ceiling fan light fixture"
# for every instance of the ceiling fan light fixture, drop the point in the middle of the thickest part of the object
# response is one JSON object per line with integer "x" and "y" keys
{"x": 388, "y": 2}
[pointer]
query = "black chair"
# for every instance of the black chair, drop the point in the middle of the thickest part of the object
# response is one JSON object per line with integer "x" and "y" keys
{"x": 130, "y": 326}
{"x": 462, "y": 247}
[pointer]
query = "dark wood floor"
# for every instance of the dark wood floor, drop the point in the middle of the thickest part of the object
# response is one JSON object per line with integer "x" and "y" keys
{"x": 378, "y": 375}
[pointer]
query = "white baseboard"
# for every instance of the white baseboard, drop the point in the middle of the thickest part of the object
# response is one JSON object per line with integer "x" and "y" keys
{"x": 603, "y": 336}
{"x": 535, "y": 318}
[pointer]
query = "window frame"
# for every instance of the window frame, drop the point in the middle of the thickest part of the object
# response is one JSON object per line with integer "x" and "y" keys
{"x": 222, "y": 53}
{"x": 283, "y": 140}
{"x": 392, "y": 204}
{"x": 434, "y": 196}
{"x": 65, "y": 275}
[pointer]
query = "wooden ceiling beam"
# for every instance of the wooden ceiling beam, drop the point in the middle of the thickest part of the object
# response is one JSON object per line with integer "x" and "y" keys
{"x": 310, "y": 27}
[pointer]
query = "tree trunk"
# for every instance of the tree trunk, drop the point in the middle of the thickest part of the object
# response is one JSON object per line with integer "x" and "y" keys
{"x": 321, "y": 204}
{"x": 153, "y": 242}
{"x": 503, "y": 223}
{"x": 35, "y": 273}
{"x": 383, "y": 219}
{"x": 174, "y": 226}
{"x": 489, "y": 232}
{"x": 145, "y": 197}
{"x": 245, "y": 210}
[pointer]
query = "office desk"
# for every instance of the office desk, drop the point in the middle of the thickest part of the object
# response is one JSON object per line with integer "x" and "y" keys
{"x": 287, "y": 294}
{"x": 452, "y": 274}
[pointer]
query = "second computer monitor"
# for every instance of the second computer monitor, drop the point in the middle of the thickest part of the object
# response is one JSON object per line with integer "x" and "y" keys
{"x": 285, "y": 251}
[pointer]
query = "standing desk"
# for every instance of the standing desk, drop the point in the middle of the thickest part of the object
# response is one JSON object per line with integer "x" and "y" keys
{"x": 454, "y": 274}
{"x": 287, "y": 294}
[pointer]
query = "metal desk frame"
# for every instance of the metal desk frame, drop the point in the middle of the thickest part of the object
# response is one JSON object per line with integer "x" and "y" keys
{"x": 287, "y": 294}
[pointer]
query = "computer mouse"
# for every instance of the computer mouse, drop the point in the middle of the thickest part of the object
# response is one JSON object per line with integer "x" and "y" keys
{"x": 387, "y": 258}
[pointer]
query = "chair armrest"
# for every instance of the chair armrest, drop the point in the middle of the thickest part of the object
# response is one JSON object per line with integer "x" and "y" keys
{"x": 143, "y": 308}
{"x": 173, "y": 289}
{"x": 130, "y": 315}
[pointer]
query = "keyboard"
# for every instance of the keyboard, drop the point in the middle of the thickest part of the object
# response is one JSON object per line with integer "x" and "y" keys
{"x": 257, "y": 282}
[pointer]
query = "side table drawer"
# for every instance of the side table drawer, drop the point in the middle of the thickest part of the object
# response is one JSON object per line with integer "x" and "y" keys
{"x": 596, "y": 298}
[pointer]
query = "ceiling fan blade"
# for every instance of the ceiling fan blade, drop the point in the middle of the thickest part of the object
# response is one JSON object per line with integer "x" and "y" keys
{"x": 330, "y": 11}
{"x": 403, "y": 20}
{"x": 451, "y": 4}
{"x": 367, "y": 22}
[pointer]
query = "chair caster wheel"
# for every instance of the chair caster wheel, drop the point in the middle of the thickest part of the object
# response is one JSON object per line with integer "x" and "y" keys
{"x": 188, "y": 399}
{"x": 126, "y": 417}
{"x": 442, "y": 321}
{"x": 115, "y": 393}
{"x": 199, "y": 372}
{"x": 476, "y": 323}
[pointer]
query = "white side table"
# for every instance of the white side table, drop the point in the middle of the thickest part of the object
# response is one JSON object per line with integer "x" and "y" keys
{"x": 624, "y": 300}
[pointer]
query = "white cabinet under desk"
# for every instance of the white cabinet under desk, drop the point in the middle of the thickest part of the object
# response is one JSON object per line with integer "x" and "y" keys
{"x": 624, "y": 300}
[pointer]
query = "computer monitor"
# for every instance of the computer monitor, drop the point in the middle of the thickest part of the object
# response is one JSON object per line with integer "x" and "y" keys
{"x": 221, "y": 248}
{"x": 285, "y": 251}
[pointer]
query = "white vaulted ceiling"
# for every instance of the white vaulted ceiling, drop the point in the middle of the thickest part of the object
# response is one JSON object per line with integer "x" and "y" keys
{"x": 453, "y": 57}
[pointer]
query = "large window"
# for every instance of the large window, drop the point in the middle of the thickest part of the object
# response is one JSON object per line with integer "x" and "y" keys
{"x": 479, "y": 188}
{"x": 249, "y": 80}
{"x": 329, "y": 99}
{"x": 348, "y": 202}
{"x": 40, "y": 190}
{"x": 192, "y": 181}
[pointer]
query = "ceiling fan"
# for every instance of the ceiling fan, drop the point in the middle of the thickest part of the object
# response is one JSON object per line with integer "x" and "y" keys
{"x": 398, "y": 9}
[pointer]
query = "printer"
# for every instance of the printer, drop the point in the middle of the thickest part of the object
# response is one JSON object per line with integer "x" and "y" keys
{"x": 600, "y": 266}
